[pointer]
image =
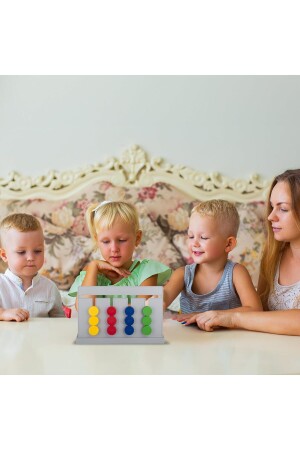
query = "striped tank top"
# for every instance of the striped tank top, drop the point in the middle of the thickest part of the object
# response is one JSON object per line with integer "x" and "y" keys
{"x": 222, "y": 297}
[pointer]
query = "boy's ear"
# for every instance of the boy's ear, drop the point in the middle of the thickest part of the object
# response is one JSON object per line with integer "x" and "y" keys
{"x": 230, "y": 244}
{"x": 3, "y": 254}
{"x": 138, "y": 238}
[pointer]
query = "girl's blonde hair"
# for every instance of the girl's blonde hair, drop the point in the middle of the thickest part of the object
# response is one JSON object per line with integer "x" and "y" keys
{"x": 223, "y": 211}
{"x": 21, "y": 222}
{"x": 103, "y": 215}
{"x": 273, "y": 249}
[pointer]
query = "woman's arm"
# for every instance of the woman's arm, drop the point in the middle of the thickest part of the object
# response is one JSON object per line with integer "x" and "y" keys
{"x": 174, "y": 286}
{"x": 245, "y": 290}
{"x": 276, "y": 322}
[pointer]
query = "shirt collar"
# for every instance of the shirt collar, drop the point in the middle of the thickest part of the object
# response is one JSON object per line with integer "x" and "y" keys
{"x": 18, "y": 281}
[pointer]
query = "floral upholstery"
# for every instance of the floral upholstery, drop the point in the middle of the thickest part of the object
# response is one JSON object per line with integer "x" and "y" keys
{"x": 164, "y": 213}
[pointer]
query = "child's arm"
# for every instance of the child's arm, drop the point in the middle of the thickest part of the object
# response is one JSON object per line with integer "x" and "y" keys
{"x": 245, "y": 290}
{"x": 17, "y": 314}
{"x": 98, "y": 266}
{"x": 174, "y": 286}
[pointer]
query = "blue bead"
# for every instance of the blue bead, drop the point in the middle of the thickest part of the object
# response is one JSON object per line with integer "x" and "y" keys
{"x": 129, "y": 330}
{"x": 129, "y": 320}
{"x": 129, "y": 311}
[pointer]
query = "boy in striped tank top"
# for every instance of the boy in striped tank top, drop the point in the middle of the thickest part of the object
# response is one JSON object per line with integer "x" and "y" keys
{"x": 212, "y": 282}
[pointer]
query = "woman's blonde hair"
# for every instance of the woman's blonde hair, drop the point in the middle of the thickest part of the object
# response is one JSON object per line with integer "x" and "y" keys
{"x": 223, "y": 211}
{"x": 273, "y": 249}
{"x": 21, "y": 222}
{"x": 103, "y": 215}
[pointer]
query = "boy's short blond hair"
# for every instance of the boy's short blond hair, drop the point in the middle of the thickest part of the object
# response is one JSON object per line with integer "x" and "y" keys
{"x": 21, "y": 222}
{"x": 103, "y": 215}
{"x": 223, "y": 211}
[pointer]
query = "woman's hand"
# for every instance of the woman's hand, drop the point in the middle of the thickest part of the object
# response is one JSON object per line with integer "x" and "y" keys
{"x": 183, "y": 317}
{"x": 210, "y": 320}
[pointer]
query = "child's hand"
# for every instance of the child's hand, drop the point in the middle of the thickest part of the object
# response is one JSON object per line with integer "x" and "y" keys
{"x": 17, "y": 314}
{"x": 111, "y": 272}
{"x": 210, "y": 320}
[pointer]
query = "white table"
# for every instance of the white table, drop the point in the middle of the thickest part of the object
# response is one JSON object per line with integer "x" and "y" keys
{"x": 46, "y": 346}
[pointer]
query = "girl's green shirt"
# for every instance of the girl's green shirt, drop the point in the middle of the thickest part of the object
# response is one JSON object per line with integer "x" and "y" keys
{"x": 140, "y": 271}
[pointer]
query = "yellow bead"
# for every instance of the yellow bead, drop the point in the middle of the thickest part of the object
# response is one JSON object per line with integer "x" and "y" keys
{"x": 93, "y": 330}
{"x": 93, "y": 311}
{"x": 93, "y": 320}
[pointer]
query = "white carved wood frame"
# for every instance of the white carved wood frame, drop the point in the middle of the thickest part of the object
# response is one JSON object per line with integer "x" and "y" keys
{"x": 134, "y": 168}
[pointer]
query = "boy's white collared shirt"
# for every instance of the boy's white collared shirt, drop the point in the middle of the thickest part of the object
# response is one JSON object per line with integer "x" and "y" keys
{"x": 41, "y": 299}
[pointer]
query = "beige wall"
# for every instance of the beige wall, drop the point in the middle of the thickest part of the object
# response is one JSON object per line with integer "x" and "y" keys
{"x": 236, "y": 125}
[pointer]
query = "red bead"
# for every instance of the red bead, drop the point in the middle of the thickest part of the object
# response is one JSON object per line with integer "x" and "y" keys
{"x": 111, "y": 310}
{"x": 111, "y": 320}
{"x": 111, "y": 330}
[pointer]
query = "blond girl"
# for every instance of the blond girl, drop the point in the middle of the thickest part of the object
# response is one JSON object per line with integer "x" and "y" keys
{"x": 114, "y": 228}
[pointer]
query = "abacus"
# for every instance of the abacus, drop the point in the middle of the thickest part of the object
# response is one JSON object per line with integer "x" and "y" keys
{"x": 120, "y": 315}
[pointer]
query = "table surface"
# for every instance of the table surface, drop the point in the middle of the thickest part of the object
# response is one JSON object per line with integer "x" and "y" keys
{"x": 46, "y": 346}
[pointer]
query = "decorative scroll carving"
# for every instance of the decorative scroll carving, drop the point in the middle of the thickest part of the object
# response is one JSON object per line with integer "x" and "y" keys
{"x": 134, "y": 168}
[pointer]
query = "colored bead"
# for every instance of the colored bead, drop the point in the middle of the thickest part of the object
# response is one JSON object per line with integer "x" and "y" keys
{"x": 93, "y": 320}
{"x": 111, "y": 310}
{"x": 129, "y": 330}
{"x": 146, "y": 320}
{"x": 129, "y": 320}
{"x": 111, "y": 320}
{"x": 129, "y": 311}
{"x": 146, "y": 311}
{"x": 93, "y": 311}
{"x": 111, "y": 330}
{"x": 93, "y": 330}
{"x": 146, "y": 330}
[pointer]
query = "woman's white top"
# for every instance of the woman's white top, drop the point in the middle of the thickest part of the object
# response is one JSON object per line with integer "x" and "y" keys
{"x": 284, "y": 297}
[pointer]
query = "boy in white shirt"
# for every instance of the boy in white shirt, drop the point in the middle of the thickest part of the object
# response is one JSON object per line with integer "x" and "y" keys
{"x": 24, "y": 292}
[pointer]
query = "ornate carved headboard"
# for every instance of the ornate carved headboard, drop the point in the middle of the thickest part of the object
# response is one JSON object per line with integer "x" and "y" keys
{"x": 134, "y": 169}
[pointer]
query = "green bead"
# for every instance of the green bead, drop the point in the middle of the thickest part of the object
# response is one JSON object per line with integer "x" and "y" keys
{"x": 147, "y": 311}
{"x": 146, "y": 320}
{"x": 146, "y": 330}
